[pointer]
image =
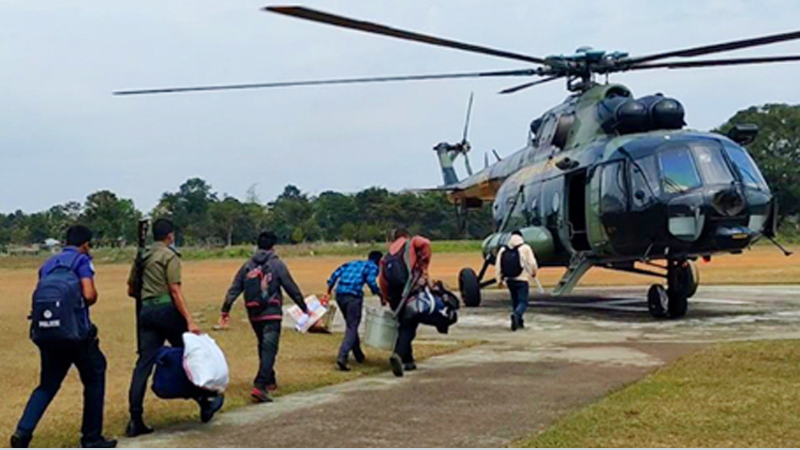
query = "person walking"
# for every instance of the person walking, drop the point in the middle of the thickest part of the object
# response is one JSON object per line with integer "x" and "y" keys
{"x": 404, "y": 270}
{"x": 262, "y": 279}
{"x": 67, "y": 279}
{"x": 515, "y": 263}
{"x": 349, "y": 280}
{"x": 164, "y": 317}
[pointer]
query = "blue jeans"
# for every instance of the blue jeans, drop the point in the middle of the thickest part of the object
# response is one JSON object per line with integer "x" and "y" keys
{"x": 91, "y": 365}
{"x": 519, "y": 296}
{"x": 351, "y": 307}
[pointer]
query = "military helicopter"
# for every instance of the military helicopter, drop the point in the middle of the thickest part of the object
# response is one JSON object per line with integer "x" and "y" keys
{"x": 606, "y": 179}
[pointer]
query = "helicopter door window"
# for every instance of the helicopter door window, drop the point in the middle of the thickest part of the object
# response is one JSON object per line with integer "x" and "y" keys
{"x": 678, "y": 170}
{"x": 613, "y": 196}
{"x": 712, "y": 164}
{"x": 746, "y": 167}
{"x": 644, "y": 181}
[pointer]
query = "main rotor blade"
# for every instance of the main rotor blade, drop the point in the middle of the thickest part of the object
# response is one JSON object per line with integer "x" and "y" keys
{"x": 226, "y": 87}
{"x": 369, "y": 27}
{"x": 717, "y": 48}
{"x": 520, "y": 87}
{"x": 717, "y": 62}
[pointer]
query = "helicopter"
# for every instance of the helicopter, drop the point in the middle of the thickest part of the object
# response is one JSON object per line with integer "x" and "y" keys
{"x": 605, "y": 179}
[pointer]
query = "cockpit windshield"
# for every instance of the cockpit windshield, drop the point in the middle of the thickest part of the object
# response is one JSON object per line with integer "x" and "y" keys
{"x": 678, "y": 170}
{"x": 750, "y": 174}
{"x": 712, "y": 164}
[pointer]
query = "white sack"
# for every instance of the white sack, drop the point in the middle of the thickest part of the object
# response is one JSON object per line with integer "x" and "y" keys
{"x": 204, "y": 362}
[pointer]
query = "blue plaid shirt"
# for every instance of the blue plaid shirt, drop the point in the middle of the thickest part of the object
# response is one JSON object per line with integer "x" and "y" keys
{"x": 350, "y": 278}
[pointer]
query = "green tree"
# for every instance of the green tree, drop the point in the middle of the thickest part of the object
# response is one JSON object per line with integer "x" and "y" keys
{"x": 112, "y": 219}
{"x": 776, "y": 149}
{"x": 226, "y": 216}
{"x": 290, "y": 214}
{"x": 332, "y": 211}
{"x": 189, "y": 209}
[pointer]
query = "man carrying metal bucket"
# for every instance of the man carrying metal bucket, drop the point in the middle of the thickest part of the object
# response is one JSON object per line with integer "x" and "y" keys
{"x": 404, "y": 270}
{"x": 349, "y": 280}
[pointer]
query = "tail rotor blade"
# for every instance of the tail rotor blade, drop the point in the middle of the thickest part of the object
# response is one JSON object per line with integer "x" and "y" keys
{"x": 466, "y": 122}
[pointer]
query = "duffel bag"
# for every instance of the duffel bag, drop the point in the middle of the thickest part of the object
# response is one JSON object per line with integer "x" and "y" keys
{"x": 170, "y": 380}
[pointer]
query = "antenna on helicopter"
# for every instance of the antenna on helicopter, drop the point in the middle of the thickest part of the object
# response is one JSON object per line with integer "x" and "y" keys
{"x": 497, "y": 155}
{"x": 485, "y": 160}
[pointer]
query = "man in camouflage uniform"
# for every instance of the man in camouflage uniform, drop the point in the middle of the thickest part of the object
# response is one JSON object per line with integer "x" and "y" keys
{"x": 164, "y": 317}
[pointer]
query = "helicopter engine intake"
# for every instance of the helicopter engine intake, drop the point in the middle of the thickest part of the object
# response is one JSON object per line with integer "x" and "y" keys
{"x": 624, "y": 115}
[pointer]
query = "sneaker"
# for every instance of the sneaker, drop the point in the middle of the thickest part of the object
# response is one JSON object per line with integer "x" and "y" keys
{"x": 341, "y": 365}
{"x": 20, "y": 440}
{"x": 209, "y": 407}
{"x": 514, "y": 324}
{"x": 272, "y": 387}
{"x": 100, "y": 443}
{"x": 137, "y": 427}
{"x": 260, "y": 396}
{"x": 408, "y": 367}
{"x": 521, "y": 322}
{"x": 397, "y": 365}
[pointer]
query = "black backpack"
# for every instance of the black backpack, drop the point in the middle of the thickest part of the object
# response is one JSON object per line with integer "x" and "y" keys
{"x": 510, "y": 262}
{"x": 261, "y": 294}
{"x": 58, "y": 314}
{"x": 396, "y": 274}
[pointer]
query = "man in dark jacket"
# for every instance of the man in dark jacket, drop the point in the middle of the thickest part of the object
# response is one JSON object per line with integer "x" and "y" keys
{"x": 262, "y": 280}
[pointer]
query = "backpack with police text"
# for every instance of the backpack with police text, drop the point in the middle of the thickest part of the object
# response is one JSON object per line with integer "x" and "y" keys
{"x": 58, "y": 313}
{"x": 396, "y": 274}
{"x": 510, "y": 262}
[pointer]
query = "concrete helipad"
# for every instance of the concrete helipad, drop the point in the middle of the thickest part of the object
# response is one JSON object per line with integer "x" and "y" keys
{"x": 572, "y": 352}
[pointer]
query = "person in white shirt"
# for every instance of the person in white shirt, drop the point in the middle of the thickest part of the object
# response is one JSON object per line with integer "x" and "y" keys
{"x": 515, "y": 263}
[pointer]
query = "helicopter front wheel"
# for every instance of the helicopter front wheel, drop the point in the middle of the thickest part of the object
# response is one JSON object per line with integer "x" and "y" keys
{"x": 470, "y": 287}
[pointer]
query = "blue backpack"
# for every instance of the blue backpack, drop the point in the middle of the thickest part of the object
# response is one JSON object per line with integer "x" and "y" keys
{"x": 58, "y": 313}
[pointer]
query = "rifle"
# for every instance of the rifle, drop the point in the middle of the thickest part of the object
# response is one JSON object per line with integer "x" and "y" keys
{"x": 141, "y": 239}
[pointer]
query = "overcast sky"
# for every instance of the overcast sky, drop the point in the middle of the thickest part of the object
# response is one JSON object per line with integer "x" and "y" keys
{"x": 63, "y": 135}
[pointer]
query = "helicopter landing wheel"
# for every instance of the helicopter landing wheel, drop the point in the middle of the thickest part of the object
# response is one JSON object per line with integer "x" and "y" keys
{"x": 469, "y": 287}
{"x": 682, "y": 280}
{"x": 657, "y": 301}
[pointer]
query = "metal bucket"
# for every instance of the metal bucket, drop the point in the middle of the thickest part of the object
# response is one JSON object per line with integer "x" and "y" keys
{"x": 380, "y": 328}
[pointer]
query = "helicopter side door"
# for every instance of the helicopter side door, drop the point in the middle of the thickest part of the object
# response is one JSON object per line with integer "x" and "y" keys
{"x": 614, "y": 205}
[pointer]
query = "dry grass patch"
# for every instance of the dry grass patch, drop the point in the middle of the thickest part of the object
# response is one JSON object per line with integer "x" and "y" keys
{"x": 304, "y": 361}
{"x": 744, "y": 394}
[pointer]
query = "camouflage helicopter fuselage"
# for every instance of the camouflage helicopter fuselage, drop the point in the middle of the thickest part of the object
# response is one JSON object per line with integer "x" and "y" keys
{"x": 583, "y": 196}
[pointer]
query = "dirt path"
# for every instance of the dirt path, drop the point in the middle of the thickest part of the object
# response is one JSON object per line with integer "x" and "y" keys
{"x": 574, "y": 351}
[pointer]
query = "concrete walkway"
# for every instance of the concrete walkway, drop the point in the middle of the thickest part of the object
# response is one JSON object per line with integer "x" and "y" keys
{"x": 572, "y": 353}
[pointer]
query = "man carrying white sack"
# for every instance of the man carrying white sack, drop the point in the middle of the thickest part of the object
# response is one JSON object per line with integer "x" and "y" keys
{"x": 262, "y": 280}
{"x": 515, "y": 263}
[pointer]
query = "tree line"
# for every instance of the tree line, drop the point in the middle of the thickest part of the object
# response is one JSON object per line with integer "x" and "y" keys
{"x": 204, "y": 217}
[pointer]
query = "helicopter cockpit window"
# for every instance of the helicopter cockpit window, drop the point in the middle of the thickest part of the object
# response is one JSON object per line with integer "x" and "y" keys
{"x": 547, "y": 130}
{"x": 750, "y": 174}
{"x": 712, "y": 164}
{"x": 644, "y": 181}
{"x": 678, "y": 171}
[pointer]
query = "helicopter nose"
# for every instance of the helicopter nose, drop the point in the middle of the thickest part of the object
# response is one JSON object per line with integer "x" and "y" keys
{"x": 728, "y": 202}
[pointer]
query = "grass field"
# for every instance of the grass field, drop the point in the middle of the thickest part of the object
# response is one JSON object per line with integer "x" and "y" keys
{"x": 744, "y": 394}
{"x": 305, "y": 361}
